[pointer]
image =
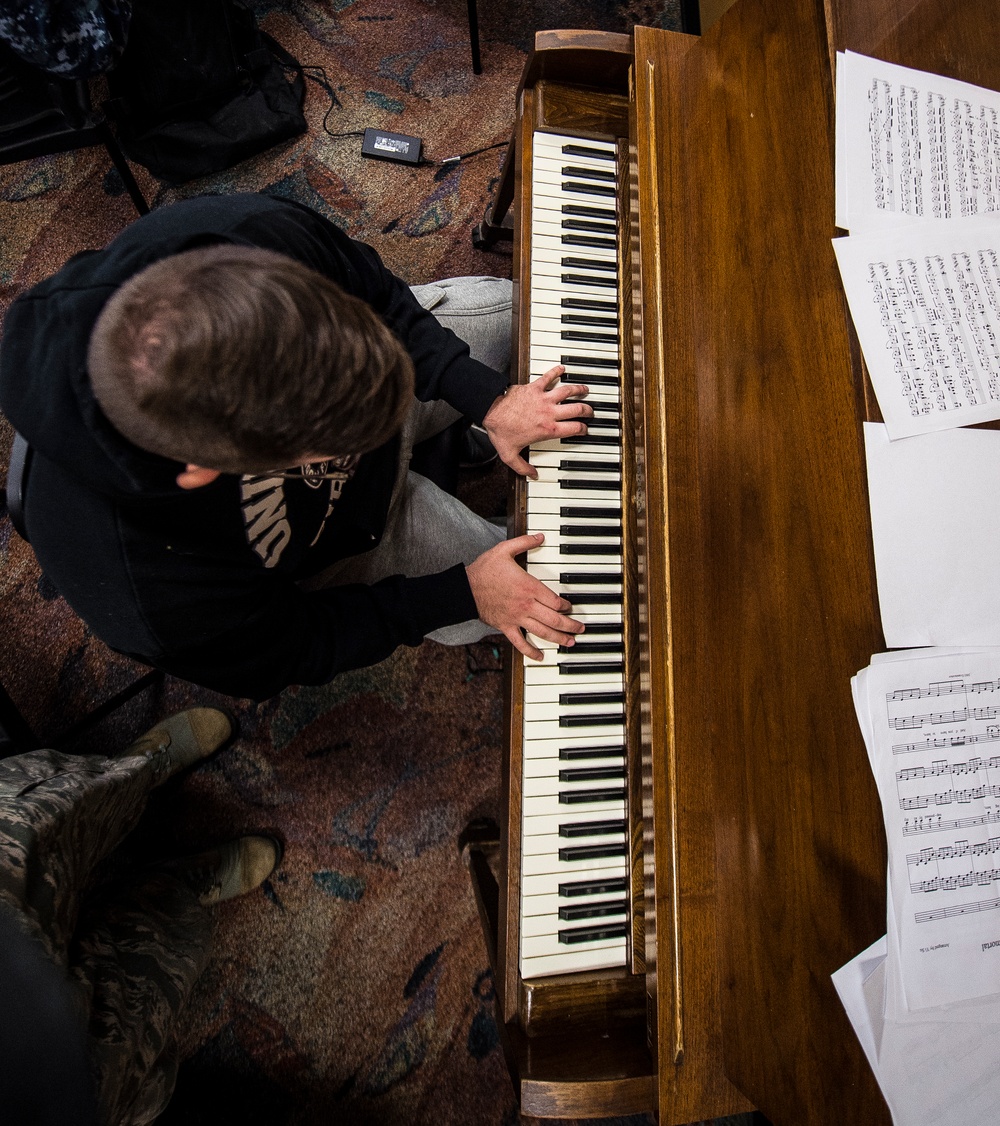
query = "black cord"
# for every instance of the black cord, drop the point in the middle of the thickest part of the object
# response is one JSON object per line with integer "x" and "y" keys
{"x": 466, "y": 155}
{"x": 325, "y": 84}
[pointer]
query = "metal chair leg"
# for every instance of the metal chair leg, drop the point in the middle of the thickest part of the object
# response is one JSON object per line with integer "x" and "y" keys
{"x": 477, "y": 64}
{"x": 118, "y": 157}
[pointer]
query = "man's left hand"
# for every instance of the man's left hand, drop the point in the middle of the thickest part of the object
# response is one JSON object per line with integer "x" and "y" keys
{"x": 536, "y": 412}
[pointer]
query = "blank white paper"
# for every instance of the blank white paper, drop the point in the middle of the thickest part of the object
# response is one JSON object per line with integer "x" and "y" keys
{"x": 935, "y": 509}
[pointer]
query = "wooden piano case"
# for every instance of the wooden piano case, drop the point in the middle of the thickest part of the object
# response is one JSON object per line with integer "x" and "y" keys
{"x": 763, "y": 842}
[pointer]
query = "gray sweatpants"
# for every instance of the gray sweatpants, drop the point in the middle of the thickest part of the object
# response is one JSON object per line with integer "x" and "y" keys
{"x": 427, "y": 530}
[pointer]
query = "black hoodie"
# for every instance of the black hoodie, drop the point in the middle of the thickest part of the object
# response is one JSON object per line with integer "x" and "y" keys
{"x": 202, "y": 582}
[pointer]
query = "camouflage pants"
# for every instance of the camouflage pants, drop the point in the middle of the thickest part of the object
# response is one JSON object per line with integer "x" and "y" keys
{"x": 131, "y": 950}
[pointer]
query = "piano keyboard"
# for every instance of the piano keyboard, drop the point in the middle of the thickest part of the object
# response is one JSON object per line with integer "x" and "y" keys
{"x": 574, "y": 843}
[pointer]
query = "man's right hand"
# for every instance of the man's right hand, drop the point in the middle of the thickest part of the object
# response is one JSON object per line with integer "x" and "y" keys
{"x": 509, "y": 599}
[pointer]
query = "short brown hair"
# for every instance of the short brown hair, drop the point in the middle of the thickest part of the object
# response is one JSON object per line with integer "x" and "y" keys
{"x": 243, "y": 360}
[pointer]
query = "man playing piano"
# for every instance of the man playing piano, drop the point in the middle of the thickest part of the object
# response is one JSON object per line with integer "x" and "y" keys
{"x": 221, "y": 410}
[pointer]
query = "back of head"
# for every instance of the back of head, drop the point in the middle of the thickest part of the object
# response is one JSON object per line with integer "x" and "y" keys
{"x": 243, "y": 360}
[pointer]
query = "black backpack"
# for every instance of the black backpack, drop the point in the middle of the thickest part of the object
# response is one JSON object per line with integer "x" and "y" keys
{"x": 200, "y": 87}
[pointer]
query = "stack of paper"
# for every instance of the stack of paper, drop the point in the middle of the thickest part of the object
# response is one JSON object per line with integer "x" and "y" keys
{"x": 918, "y": 186}
{"x": 925, "y": 1000}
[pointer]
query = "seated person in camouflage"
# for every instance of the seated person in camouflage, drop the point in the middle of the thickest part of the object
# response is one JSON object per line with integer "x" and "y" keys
{"x": 113, "y": 963}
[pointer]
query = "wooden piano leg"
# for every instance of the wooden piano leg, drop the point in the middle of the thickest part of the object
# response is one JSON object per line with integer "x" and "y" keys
{"x": 492, "y": 229}
{"x": 478, "y": 843}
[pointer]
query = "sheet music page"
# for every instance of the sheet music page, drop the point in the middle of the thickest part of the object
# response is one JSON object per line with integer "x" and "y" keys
{"x": 926, "y": 305}
{"x": 935, "y": 510}
{"x": 932, "y": 1073}
{"x": 917, "y": 146}
{"x": 936, "y": 729}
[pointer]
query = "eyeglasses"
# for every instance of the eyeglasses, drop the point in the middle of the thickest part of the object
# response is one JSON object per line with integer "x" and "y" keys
{"x": 308, "y": 473}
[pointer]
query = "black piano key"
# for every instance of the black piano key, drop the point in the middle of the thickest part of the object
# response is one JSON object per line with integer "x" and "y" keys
{"x": 592, "y": 598}
{"x": 612, "y": 551}
{"x": 587, "y": 319}
{"x": 582, "y": 512}
{"x": 602, "y": 441}
{"x": 604, "y": 484}
{"x": 574, "y": 263}
{"x": 590, "y": 225}
{"x": 606, "y": 578}
{"x": 588, "y": 240}
{"x": 593, "y": 646}
{"x": 570, "y": 464}
{"x": 596, "y": 668}
{"x": 587, "y": 150}
{"x": 608, "y": 531}
{"x": 589, "y": 303}
{"x": 592, "y": 719}
{"x": 589, "y": 378}
{"x": 599, "y": 750}
{"x": 593, "y": 774}
{"x": 607, "y": 885}
{"x": 600, "y": 910}
{"x": 592, "y": 852}
{"x": 588, "y": 361}
{"x": 589, "y": 212}
{"x": 586, "y": 279}
{"x": 589, "y": 797}
{"x": 593, "y": 934}
{"x": 575, "y": 699}
{"x": 589, "y": 173}
{"x": 582, "y": 334}
{"x": 593, "y": 828}
{"x": 598, "y": 441}
{"x": 600, "y": 423}
{"x": 579, "y": 187}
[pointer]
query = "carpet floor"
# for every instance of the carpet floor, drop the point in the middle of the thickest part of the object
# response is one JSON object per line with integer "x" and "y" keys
{"x": 354, "y": 986}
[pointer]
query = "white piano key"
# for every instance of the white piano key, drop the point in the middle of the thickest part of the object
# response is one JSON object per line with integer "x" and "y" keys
{"x": 540, "y": 692}
{"x": 551, "y": 676}
{"x": 570, "y": 655}
{"x": 553, "y": 248}
{"x": 553, "y": 488}
{"x": 555, "y": 225}
{"x": 539, "y": 926}
{"x": 541, "y": 893}
{"x": 537, "y": 946}
{"x": 554, "y": 141}
{"x": 553, "y": 522}
{"x": 578, "y": 961}
{"x": 548, "y": 162}
{"x": 540, "y": 747}
{"x": 536, "y": 768}
{"x": 551, "y": 729}
{"x": 540, "y": 864}
{"x": 539, "y": 805}
{"x": 542, "y": 826}
{"x": 546, "y": 844}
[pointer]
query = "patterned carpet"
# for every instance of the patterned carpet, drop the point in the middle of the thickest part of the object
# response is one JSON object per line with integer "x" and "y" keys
{"x": 354, "y": 987}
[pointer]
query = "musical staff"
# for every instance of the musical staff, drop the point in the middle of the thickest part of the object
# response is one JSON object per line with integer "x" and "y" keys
{"x": 913, "y": 826}
{"x": 958, "y": 909}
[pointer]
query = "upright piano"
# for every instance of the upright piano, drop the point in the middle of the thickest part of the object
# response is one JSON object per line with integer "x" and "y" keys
{"x": 692, "y": 841}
